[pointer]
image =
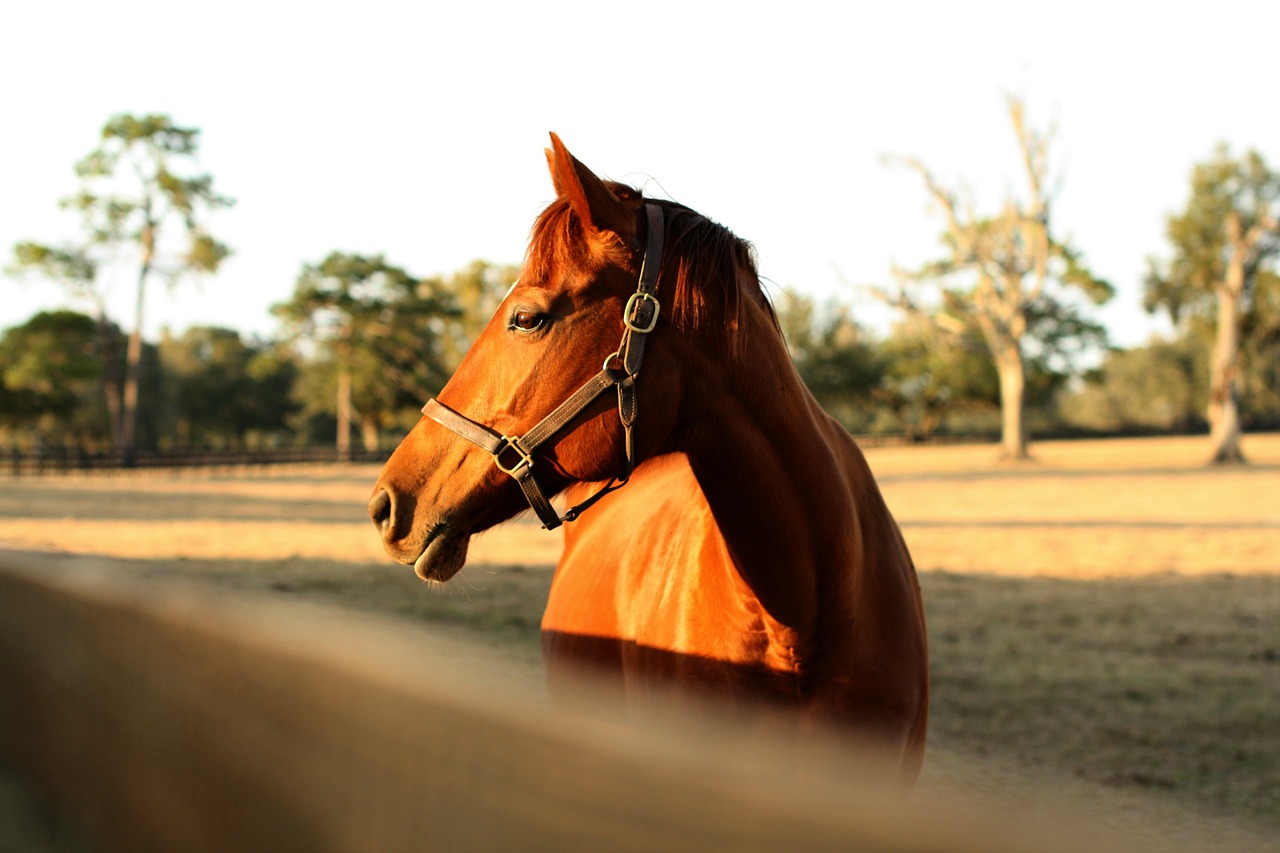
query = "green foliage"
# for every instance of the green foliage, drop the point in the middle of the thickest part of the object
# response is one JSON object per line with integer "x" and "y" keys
{"x": 49, "y": 375}
{"x": 224, "y": 392}
{"x": 70, "y": 265}
{"x": 139, "y": 186}
{"x": 1161, "y": 387}
{"x": 1260, "y": 356}
{"x": 141, "y": 196}
{"x": 1222, "y": 187}
{"x": 834, "y": 357}
{"x": 475, "y": 291}
{"x": 930, "y": 377}
{"x": 1222, "y": 276}
{"x": 382, "y": 327}
{"x": 1006, "y": 273}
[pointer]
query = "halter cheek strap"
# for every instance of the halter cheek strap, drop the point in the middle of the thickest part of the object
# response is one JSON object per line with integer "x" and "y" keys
{"x": 514, "y": 455}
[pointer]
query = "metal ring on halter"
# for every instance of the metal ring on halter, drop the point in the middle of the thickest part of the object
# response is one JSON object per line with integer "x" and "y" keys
{"x": 525, "y": 460}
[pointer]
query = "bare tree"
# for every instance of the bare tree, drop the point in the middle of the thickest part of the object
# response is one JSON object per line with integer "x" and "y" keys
{"x": 996, "y": 270}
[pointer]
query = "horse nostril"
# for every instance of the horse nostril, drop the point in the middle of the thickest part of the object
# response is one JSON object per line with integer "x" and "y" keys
{"x": 380, "y": 506}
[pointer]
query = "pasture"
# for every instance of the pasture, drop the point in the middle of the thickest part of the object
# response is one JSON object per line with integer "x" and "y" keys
{"x": 1104, "y": 622}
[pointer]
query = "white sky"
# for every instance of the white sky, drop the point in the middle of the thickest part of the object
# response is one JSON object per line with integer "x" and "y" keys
{"x": 417, "y": 129}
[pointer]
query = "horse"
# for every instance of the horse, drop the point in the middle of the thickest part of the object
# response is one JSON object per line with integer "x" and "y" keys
{"x": 725, "y": 535}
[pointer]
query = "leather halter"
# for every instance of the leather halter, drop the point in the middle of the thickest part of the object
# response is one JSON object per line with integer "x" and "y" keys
{"x": 514, "y": 455}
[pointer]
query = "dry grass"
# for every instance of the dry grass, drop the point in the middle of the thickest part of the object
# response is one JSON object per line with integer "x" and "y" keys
{"x": 1104, "y": 618}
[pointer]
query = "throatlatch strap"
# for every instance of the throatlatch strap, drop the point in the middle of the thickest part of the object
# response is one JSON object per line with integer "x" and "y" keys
{"x": 640, "y": 317}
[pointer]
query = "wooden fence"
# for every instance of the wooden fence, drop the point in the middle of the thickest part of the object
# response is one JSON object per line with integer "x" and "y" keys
{"x": 170, "y": 717}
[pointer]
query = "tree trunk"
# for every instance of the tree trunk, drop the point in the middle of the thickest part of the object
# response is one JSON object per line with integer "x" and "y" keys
{"x": 133, "y": 357}
{"x": 127, "y": 442}
{"x": 344, "y": 404}
{"x": 110, "y": 380}
{"x": 1013, "y": 429}
{"x": 369, "y": 432}
{"x": 129, "y": 412}
{"x": 1224, "y": 412}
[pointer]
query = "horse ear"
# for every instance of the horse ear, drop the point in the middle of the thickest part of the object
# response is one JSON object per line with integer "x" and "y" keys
{"x": 591, "y": 199}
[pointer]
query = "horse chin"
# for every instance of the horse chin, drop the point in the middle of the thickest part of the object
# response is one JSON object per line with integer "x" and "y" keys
{"x": 443, "y": 557}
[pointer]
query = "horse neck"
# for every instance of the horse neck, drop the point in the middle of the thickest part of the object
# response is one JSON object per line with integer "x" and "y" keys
{"x": 780, "y": 477}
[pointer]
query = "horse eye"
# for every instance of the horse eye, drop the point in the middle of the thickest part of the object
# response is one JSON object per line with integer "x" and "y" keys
{"x": 525, "y": 320}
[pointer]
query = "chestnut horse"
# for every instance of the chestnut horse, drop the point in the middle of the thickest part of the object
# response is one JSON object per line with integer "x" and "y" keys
{"x": 750, "y": 554}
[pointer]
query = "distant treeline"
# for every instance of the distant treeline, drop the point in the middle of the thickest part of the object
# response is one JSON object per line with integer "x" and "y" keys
{"x": 212, "y": 389}
{"x": 995, "y": 336}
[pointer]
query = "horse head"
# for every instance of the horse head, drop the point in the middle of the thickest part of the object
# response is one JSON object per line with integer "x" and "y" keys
{"x": 574, "y": 327}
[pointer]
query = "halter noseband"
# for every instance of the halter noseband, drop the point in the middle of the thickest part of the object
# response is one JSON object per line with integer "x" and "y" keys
{"x": 514, "y": 455}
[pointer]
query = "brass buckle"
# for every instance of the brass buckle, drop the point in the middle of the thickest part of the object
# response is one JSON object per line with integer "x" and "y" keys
{"x": 525, "y": 460}
{"x": 629, "y": 312}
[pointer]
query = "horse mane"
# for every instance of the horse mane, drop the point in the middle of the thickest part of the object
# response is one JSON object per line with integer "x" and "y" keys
{"x": 700, "y": 256}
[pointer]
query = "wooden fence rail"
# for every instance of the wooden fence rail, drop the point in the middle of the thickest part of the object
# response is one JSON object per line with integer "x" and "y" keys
{"x": 168, "y": 717}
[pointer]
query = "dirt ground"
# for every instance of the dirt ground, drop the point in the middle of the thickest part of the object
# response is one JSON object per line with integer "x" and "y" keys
{"x": 1103, "y": 620}
{"x": 1120, "y": 508}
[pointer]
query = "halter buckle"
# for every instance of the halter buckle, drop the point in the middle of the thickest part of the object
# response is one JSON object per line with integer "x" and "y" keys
{"x": 524, "y": 462}
{"x": 630, "y": 311}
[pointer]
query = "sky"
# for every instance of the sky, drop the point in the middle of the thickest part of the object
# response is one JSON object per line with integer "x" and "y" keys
{"x": 416, "y": 130}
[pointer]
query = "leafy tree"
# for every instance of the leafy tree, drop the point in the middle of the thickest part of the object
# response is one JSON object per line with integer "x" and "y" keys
{"x": 376, "y": 330}
{"x": 1260, "y": 354}
{"x": 221, "y": 388}
{"x": 476, "y": 291}
{"x": 49, "y": 372}
{"x": 75, "y": 269}
{"x": 1159, "y": 387}
{"x": 141, "y": 196}
{"x": 1222, "y": 273}
{"x": 274, "y": 373}
{"x": 834, "y": 357}
{"x": 930, "y": 376}
{"x": 997, "y": 271}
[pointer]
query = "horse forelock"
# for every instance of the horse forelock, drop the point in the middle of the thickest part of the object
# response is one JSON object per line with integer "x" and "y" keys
{"x": 707, "y": 270}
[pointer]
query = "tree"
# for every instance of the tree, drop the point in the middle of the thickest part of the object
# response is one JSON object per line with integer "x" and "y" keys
{"x": 221, "y": 388}
{"x": 997, "y": 270}
{"x": 140, "y": 196}
{"x": 476, "y": 290}
{"x": 378, "y": 332}
{"x": 1225, "y": 243}
{"x": 49, "y": 370}
{"x": 930, "y": 376}
{"x": 1159, "y": 387}
{"x": 75, "y": 269}
{"x": 834, "y": 357}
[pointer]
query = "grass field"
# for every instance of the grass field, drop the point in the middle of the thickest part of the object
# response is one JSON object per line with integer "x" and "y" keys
{"x": 1104, "y": 622}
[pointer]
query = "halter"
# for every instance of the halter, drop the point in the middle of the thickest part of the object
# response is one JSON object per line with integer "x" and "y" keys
{"x": 514, "y": 455}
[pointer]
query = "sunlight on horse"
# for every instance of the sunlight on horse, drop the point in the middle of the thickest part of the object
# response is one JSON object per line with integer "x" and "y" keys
{"x": 749, "y": 557}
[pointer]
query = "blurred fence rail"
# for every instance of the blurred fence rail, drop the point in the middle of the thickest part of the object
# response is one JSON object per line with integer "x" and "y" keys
{"x": 171, "y": 717}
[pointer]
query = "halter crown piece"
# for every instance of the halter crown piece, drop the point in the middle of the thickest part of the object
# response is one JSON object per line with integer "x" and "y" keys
{"x": 514, "y": 455}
